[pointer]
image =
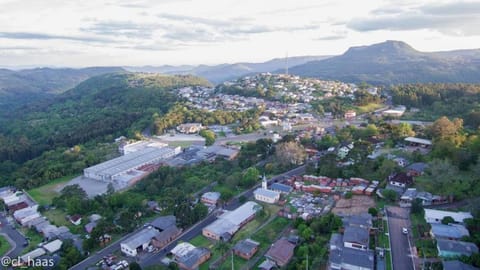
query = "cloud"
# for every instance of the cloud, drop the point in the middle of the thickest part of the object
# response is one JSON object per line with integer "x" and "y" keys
{"x": 331, "y": 37}
{"x": 456, "y": 19}
{"x": 42, "y": 36}
{"x": 121, "y": 28}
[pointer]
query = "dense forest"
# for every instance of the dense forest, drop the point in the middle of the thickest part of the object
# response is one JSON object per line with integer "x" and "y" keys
{"x": 435, "y": 100}
{"x": 96, "y": 111}
{"x": 104, "y": 105}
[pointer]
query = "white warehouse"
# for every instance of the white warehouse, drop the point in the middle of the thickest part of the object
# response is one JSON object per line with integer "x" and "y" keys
{"x": 116, "y": 168}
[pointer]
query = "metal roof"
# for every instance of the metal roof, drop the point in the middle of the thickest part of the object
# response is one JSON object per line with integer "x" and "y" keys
{"x": 449, "y": 231}
{"x": 281, "y": 187}
{"x": 140, "y": 238}
{"x": 465, "y": 248}
{"x": 418, "y": 140}
{"x": 266, "y": 193}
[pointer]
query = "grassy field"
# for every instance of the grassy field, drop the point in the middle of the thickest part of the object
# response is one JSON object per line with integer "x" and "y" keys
{"x": 369, "y": 108}
{"x": 34, "y": 239}
{"x": 4, "y": 245}
{"x": 44, "y": 194}
{"x": 200, "y": 241}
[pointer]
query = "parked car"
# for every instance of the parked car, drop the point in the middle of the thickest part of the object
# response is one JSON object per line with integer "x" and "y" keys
{"x": 404, "y": 230}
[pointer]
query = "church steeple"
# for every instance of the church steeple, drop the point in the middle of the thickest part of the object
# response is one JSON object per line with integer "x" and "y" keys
{"x": 264, "y": 182}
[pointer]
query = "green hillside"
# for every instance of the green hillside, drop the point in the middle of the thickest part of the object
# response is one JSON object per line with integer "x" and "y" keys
{"x": 109, "y": 104}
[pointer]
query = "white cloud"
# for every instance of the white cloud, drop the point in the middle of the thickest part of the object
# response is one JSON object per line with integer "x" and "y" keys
{"x": 156, "y": 32}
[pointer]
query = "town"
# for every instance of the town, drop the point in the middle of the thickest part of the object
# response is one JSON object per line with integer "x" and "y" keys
{"x": 306, "y": 189}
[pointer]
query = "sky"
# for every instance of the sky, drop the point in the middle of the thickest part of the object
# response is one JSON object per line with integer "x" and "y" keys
{"x": 176, "y": 32}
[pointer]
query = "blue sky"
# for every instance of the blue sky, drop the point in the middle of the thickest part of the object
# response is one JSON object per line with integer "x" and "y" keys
{"x": 158, "y": 32}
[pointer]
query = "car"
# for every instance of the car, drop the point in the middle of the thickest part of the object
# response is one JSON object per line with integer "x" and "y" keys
{"x": 404, "y": 230}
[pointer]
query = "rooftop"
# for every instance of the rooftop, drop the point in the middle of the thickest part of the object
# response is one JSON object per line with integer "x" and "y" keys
{"x": 242, "y": 213}
{"x": 193, "y": 256}
{"x": 418, "y": 140}
{"x": 211, "y": 195}
{"x": 281, "y": 187}
{"x": 362, "y": 220}
{"x": 281, "y": 251}
{"x": 362, "y": 258}
{"x": 266, "y": 193}
{"x": 162, "y": 223}
{"x": 465, "y": 248}
{"x": 182, "y": 249}
{"x": 449, "y": 231}
{"x": 457, "y": 265}
{"x": 354, "y": 234}
{"x": 128, "y": 161}
{"x": 246, "y": 246}
{"x": 440, "y": 214}
{"x": 141, "y": 237}
{"x": 53, "y": 246}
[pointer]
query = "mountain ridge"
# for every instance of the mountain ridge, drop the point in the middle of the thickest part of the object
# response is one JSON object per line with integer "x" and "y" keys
{"x": 393, "y": 62}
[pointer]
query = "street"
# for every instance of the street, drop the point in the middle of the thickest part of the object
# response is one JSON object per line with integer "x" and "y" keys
{"x": 400, "y": 245}
{"x": 16, "y": 239}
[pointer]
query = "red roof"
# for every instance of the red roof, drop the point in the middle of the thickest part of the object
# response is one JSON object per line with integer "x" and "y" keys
{"x": 281, "y": 252}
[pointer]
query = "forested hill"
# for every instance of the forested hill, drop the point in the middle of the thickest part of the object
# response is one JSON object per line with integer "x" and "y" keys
{"x": 395, "y": 62}
{"x": 109, "y": 104}
{"x": 23, "y": 86}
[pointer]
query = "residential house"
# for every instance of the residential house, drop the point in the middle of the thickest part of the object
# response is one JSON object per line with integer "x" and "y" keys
{"x": 457, "y": 265}
{"x": 436, "y": 216}
{"x": 344, "y": 149}
{"x": 401, "y": 180}
{"x": 363, "y": 220}
{"x": 230, "y": 222}
{"x": 53, "y": 246}
{"x": 210, "y": 198}
{"x": 181, "y": 249}
{"x": 418, "y": 142}
{"x": 190, "y": 128}
{"x": 356, "y": 238}
{"x": 451, "y": 231}
{"x": 166, "y": 236}
{"x": 453, "y": 249}
{"x": 194, "y": 258}
{"x": 351, "y": 259}
{"x": 246, "y": 248}
{"x": 345, "y": 258}
{"x": 32, "y": 255}
{"x": 280, "y": 252}
{"x": 350, "y": 114}
{"x": 75, "y": 219}
{"x": 416, "y": 169}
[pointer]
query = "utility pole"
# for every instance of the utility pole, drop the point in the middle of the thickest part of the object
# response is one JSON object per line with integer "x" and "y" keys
{"x": 286, "y": 64}
{"x": 232, "y": 260}
{"x": 307, "y": 260}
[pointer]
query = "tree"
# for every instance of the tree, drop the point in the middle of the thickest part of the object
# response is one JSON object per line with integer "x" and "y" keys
{"x": 444, "y": 129}
{"x": 417, "y": 207}
{"x": 373, "y": 211}
{"x": 250, "y": 177}
{"x": 208, "y": 135}
{"x": 448, "y": 220}
{"x": 134, "y": 266}
{"x": 390, "y": 195}
{"x": 443, "y": 175}
{"x": 288, "y": 153}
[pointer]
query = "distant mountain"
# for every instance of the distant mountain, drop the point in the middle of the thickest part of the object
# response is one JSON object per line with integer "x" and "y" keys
{"x": 224, "y": 72}
{"x": 23, "y": 86}
{"x": 394, "y": 62}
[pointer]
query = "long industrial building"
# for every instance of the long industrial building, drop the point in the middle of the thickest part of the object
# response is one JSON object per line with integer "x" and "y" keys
{"x": 122, "y": 167}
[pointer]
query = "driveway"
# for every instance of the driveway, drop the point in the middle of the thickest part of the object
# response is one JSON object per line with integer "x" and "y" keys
{"x": 398, "y": 218}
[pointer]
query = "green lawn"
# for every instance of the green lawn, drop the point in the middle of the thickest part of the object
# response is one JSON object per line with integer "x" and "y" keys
{"x": 35, "y": 238}
{"x": 369, "y": 108}
{"x": 388, "y": 260}
{"x": 200, "y": 241}
{"x": 44, "y": 194}
{"x": 4, "y": 245}
{"x": 419, "y": 226}
{"x": 57, "y": 217}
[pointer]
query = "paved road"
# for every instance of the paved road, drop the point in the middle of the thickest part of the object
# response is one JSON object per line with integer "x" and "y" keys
{"x": 15, "y": 237}
{"x": 398, "y": 218}
{"x": 186, "y": 236}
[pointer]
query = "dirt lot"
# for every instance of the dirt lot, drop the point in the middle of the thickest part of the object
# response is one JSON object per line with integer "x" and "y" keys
{"x": 355, "y": 205}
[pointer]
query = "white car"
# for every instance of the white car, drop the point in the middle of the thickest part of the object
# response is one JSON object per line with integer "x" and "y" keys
{"x": 404, "y": 230}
